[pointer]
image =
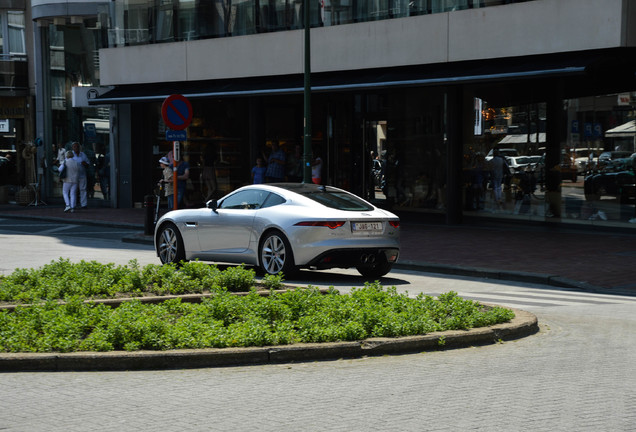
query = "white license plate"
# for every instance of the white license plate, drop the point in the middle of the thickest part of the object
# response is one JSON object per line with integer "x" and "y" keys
{"x": 367, "y": 226}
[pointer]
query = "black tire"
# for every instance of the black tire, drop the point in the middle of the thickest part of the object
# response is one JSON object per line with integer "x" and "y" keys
{"x": 377, "y": 269}
{"x": 275, "y": 254}
{"x": 170, "y": 245}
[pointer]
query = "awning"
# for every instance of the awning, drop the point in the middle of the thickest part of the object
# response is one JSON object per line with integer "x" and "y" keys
{"x": 626, "y": 130}
{"x": 523, "y": 138}
{"x": 482, "y": 71}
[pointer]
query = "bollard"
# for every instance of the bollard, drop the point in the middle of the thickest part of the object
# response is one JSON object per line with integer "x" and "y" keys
{"x": 149, "y": 219}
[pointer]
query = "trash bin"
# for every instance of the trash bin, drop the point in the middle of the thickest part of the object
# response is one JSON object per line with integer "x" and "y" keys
{"x": 149, "y": 219}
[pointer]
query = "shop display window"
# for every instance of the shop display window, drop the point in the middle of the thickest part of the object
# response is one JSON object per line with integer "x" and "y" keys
{"x": 594, "y": 170}
{"x": 216, "y": 149}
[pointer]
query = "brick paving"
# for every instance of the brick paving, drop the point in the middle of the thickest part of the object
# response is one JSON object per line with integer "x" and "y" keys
{"x": 578, "y": 373}
{"x": 602, "y": 259}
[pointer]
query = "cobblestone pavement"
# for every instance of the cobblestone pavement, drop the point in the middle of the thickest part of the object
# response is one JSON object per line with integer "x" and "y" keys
{"x": 577, "y": 374}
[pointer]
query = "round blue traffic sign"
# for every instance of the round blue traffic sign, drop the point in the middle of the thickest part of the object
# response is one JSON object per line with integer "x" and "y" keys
{"x": 176, "y": 112}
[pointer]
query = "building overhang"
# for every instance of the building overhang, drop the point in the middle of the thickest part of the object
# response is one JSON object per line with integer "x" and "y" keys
{"x": 582, "y": 68}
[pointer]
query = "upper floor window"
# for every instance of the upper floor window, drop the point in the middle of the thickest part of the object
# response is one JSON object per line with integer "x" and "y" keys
{"x": 16, "y": 29}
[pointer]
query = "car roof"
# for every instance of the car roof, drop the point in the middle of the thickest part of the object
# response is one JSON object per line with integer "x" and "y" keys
{"x": 328, "y": 196}
{"x": 299, "y": 188}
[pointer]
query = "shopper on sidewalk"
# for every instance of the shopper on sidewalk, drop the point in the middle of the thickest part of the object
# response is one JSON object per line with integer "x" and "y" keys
{"x": 69, "y": 173}
{"x": 84, "y": 163}
{"x": 275, "y": 165}
{"x": 166, "y": 181}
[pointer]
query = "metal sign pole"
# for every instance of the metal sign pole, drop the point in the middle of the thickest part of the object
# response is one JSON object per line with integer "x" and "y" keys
{"x": 307, "y": 94}
{"x": 176, "y": 155}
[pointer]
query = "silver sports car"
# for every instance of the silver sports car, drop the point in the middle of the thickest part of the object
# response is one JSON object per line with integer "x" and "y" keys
{"x": 283, "y": 227}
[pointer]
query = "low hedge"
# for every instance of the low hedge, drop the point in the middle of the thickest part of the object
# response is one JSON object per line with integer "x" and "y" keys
{"x": 222, "y": 320}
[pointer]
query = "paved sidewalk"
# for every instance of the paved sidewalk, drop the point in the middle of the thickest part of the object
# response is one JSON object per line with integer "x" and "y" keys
{"x": 589, "y": 259}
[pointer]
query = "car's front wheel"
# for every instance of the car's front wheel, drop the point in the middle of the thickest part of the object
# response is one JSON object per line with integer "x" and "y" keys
{"x": 375, "y": 268}
{"x": 276, "y": 254}
{"x": 170, "y": 245}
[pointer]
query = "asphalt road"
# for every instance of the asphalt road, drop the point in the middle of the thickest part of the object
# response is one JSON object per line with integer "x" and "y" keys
{"x": 577, "y": 374}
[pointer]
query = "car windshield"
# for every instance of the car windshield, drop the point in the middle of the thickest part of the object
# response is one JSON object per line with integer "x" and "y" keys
{"x": 329, "y": 196}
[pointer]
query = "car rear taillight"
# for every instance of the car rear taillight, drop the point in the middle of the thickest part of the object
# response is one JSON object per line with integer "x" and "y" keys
{"x": 394, "y": 223}
{"x": 328, "y": 224}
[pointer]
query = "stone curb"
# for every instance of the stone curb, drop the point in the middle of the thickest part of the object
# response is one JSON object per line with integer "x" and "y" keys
{"x": 524, "y": 324}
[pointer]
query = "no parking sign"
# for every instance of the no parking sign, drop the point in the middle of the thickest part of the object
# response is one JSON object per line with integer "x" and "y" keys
{"x": 176, "y": 111}
{"x": 177, "y": 115}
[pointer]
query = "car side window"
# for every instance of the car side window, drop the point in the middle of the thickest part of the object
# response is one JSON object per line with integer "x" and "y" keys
{"x": 273, "y": 200}
{"x": 251, "y": 199}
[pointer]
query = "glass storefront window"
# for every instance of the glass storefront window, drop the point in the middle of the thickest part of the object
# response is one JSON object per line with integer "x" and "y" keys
{"x": 412, "y": 154}
{"x": 595, "y": 169}
{"x": 512, "y": 137}
{"x": 217, "y": 149}
{"x": 601, "y": 152}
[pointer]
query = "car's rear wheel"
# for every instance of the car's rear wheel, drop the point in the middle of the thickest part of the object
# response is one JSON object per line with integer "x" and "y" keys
{"x": 375, "y": 268}
{"x": 276, "y": 254}
{"x": 170, "y": 245}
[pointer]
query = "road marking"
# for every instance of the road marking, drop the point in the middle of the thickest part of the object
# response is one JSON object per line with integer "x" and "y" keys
{"x": 544, "y": 298}
{"x": 58, "y": 229}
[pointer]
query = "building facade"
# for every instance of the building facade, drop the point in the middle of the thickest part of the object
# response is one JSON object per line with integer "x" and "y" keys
{"x": 67, "y": 37}
{"x": 16, "y": 96}
{"x": 429, "y": 87}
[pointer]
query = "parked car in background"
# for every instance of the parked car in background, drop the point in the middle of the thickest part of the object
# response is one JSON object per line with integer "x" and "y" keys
{"x": 535, "y": 160}
{"x": 582, "y": 159}
{"x": 611, "y": 155}
{"x": 282, "y": 227}
{"x": 615, "y": 178}
{"x": 518, "y": 163}
{"x": 502, "y": 152}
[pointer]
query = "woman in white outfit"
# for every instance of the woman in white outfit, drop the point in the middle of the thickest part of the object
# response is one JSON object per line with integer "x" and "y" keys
{"x": 70, "y": 181}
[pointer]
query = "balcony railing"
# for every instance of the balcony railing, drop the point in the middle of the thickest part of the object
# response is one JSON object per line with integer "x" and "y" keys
{"x": 222, "y": 18}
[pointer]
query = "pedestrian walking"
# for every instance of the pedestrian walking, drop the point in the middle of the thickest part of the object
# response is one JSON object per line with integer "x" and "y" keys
{"x": 84, "y": 164}
{"x": 70, "y": 173}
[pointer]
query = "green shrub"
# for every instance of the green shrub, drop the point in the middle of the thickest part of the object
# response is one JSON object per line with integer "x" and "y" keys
{"x": 222, "y": 320}
{"x": 61, "y": 279}
{"x": 273, "y": 282}
{"x": 237, "y": 278}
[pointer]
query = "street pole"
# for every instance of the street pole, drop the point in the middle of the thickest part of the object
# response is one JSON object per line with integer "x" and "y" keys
{"x": 307, "y": 95}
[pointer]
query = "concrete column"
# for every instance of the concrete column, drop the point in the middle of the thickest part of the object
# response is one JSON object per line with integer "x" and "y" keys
{"x": 454, "y": 150}
{"x": 556, "y": 128}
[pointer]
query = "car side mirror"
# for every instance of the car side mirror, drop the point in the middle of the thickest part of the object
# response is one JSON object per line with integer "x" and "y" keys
{"x": 212, "y": 205}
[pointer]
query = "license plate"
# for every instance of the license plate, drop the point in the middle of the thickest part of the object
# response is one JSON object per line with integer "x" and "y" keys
{"x": 367, "y": 226}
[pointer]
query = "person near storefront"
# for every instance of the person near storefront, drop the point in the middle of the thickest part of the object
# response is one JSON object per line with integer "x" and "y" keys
{"x": 69, "y": 174}
{"x": 316, "y": 169}
{"x": 275, "y": 165}
{"x": 84, "y": 163}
